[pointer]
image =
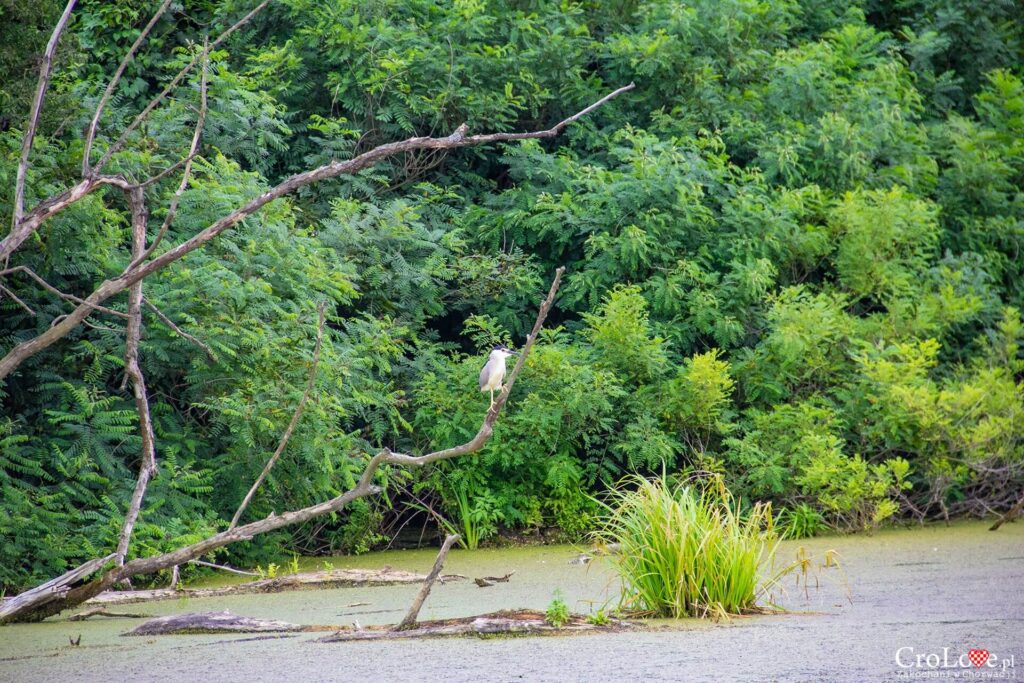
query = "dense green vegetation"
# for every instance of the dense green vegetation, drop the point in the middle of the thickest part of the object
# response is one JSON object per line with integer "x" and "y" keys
{"x": 794, "y": 257}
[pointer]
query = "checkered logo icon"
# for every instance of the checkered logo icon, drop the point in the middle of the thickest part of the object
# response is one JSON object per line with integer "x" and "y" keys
{"x": 978, "y": 657}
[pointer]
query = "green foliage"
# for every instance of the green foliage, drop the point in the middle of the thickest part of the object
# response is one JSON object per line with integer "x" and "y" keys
{"x": 801, "y": 521}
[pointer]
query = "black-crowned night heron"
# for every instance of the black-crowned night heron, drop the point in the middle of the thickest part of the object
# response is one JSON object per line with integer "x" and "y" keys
{"x": 493, "y": 371}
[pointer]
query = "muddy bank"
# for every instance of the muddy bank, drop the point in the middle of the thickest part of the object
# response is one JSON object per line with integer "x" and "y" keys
{"x": 924, "y": 589}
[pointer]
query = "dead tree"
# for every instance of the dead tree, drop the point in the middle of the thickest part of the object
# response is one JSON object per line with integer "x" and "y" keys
{"x": 67, "y": 590}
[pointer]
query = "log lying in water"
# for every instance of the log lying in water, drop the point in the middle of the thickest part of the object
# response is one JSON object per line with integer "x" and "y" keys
{"x": 333, "y": 578}
{"x": 506, "y": 622}
{"x": 211, "y": 622}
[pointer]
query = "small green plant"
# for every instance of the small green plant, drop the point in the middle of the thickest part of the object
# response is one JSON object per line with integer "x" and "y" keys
{"x": 477, "y": 518}
{"x": 801, "y": 521}
{"x": 599, "y": 618}
{"x": 557, "y": 613}
{"x": 269, "y": 573}
{"x": 688, "y": 553}
{"x": 293, "y": 566}
{"x": 327, "y": 566}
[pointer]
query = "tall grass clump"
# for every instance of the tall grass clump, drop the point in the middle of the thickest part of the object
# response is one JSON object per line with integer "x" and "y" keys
{"x": 687, "y": 551}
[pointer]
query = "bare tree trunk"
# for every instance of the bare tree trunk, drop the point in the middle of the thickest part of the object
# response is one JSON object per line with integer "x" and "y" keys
{"x": 414, "y": 610}
{"x": 133, "y": 370}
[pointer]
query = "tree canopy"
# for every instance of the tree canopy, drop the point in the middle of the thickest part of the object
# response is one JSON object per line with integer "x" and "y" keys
{"x": 793, "y": 257}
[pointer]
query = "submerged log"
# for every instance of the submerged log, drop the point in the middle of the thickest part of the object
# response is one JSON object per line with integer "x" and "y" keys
{"x": 507, "y": 622}
{"x": 333, "y": 578}
{"x": 211, "y": 622}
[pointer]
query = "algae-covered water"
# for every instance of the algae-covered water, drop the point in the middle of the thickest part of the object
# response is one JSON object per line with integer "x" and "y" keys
{"x": 925, "y": 589}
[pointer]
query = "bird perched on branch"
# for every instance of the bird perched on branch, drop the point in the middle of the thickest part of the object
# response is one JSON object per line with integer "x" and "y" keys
{"x": 493, "y": 371}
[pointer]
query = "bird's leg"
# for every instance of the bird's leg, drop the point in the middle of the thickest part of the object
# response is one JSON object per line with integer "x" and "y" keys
{"x": 492, "y": 398}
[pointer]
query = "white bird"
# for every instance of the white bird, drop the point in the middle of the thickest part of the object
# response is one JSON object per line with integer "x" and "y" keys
{"x": 493, "y": 371}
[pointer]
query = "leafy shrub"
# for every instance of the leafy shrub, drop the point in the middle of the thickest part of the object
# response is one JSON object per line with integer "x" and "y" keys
{"x": 557, "y": 613}
{"x": 801, "y": 521}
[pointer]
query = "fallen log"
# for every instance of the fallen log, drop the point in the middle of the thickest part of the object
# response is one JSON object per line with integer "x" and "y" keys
{"x": 334, "y": 578}
{"x": 211, "y": 622}
{"x": 506, "y": 622}
{"x": 54, "y": 589}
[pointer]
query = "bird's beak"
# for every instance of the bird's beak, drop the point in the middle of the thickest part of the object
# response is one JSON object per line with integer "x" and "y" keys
{"x": 514, "y": 353}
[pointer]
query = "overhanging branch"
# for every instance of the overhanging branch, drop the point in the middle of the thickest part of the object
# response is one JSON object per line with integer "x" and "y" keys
{"x": 134, "y": 274}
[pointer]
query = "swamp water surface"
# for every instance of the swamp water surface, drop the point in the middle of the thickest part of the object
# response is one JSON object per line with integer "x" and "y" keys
{"x": 958, "y": 587}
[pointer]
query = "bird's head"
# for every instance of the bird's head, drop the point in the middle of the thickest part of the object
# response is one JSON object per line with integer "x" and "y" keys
{"x": 503, "y": 351}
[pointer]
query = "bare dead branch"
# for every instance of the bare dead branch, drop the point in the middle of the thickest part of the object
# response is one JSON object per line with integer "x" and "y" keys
{"x": 144, "y": 114}
{"x": 15, "y": 299}
{"x": 54, "y": 589}
{"x": 221, "y": 567}
{"x": 94, "y": 124}
{"x": 414, "y": 610}
{"x": 292, "y": 424}
{"x": 152, "y": 180}
{"x": 178, "y": 331}
{"x": 147, "y": 468}
{"x": 45, "y": 70}
{"x": 192, "y": 151}
{"x": 39, "y": 603}
{"x": 336, "y": 168}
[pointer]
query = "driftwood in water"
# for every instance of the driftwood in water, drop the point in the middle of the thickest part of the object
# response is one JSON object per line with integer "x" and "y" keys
{"x": 488, "y": 581}
{"x": 211, "y": 622}
{"x": 509, "y": 622}
{"x": 102, "y": 612}
{"x": 334, "y": 578}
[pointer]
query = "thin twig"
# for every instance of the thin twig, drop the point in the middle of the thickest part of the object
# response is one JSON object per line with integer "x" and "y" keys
{"x": 222, "y": 567}
{"x": 180, "y": 332}
{"x": 292, "y": 424}
{"x": 1009, "y": 516}
{"x": 192, "y": 151}
{"x": 53, "y": 290}
{"x": 169, "y": 170}
{"x": 94, "y": 124}
{"x": 14, "y": 297}
{"x": 45, "y": 70}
